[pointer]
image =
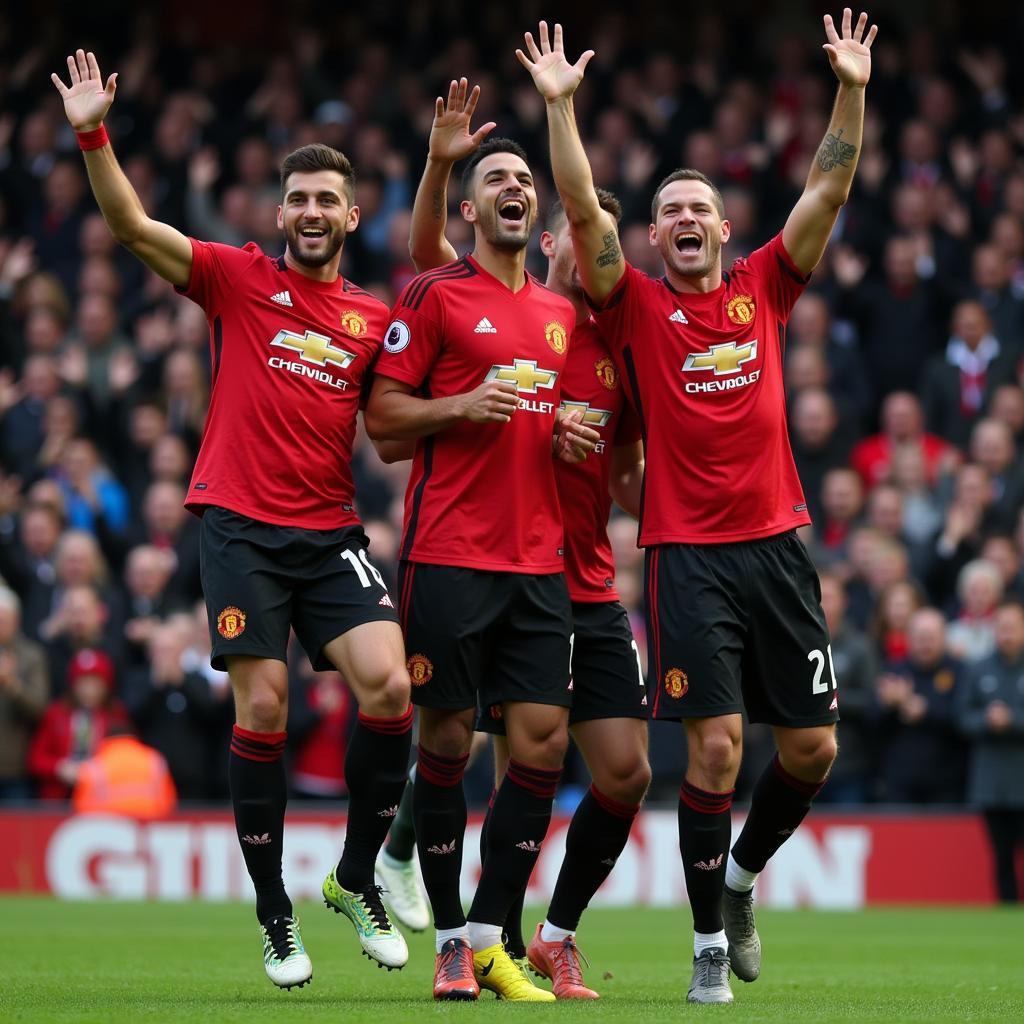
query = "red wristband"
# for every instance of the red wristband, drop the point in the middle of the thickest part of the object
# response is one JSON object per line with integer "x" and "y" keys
{"x": 97, "y": 138}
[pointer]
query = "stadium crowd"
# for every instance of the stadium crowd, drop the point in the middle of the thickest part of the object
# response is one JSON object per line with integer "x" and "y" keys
{"x": 905, "y": 359}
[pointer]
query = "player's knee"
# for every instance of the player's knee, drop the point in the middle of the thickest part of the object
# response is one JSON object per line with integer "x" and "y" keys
{"x": 544, "y": 747}
{"x": 393, "y": 693}
{"x": 811, "y": 756}
{"x": 262, "y": 710}
{"x": 628, "y": 785}
{"x": 447, "y": 736}
{"x": 717, "y": 753}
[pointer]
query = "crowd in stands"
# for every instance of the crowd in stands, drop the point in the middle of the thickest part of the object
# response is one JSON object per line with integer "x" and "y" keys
{"x": 904, "y": 359}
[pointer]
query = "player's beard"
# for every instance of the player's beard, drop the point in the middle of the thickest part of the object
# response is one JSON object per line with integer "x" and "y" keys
{"x": 504, "y": 236}
{"x": 688, "y": 267}
{"x": 331, "y": 242}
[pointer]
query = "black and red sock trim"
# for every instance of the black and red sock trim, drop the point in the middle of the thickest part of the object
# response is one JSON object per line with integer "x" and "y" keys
{"x": 257, "y": 746}
{"x": 540, "y": 782}
{"x": 704, "y": 802}
{"x": 614, "y": 807}
{"x": 807, "y": 789}
{"x": 388, "y": 726}
{"x": 438, "y": 770}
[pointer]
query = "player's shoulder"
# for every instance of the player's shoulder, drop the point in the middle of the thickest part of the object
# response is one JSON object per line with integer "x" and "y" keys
{"x": 435, "y": 284}
{"x": 768, "y": 260}
{"x": 367, "y": 301}
{"x": 556, "y": 300}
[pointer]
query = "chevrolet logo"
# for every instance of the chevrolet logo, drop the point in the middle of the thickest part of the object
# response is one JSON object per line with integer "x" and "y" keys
{"x": 722, "y": 359}
{"x": 525, "y": 374}
{"x": 314, "y": 348}
{"x": 591, "y": 417}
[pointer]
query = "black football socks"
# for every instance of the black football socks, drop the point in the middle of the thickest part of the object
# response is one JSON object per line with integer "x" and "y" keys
{"x": 705, "y": 829}
{"x": 259, "y": 795}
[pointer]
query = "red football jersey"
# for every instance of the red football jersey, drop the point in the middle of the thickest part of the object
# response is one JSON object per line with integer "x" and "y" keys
{"x": 704, "y": 372}
{"x": 289, "y": 359}
{"x": 592, "y": 383}
{"x": 482, "y": 495}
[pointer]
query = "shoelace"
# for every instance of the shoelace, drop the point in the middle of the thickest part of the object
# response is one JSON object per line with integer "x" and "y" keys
{"x": 453, "y": 957}
{"x": 370, "y": 899}
{"x": 714, "y": 966}
{"x": 569, "y": 955}
{"x": 280, "y": 931}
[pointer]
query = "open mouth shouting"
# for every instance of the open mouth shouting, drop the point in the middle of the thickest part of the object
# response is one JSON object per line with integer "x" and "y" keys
{"x": 512, "y": 211}
{"x": 687, "y": 243}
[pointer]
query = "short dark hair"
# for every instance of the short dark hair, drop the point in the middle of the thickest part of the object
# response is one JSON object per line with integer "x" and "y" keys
{"x": 687, "y": 174}
{"x": 319, "y": 157}
{"x": 606, "y": 200}
{"x": 485, "y": 150}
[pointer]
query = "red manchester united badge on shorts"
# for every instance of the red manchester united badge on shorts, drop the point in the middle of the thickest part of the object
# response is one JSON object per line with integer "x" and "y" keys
{"x": 231, "y": 623}
{"x": 740, "y": 309}
{"x": 557, "y": 336}
{"x": 676, "y": 683}
{"x": 354, "y": 323}
{"x": 606, "y": 373}
{"x": 420, "y": 668}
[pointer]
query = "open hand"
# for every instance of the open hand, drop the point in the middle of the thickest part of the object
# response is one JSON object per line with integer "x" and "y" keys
{"x": 552, "y": 73}
{"x": 850, "y": 55}
{"x": 450, "y": 137}
{"x": 87, "y": 101}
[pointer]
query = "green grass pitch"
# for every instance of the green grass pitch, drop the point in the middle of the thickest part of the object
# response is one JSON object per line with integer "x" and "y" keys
{"x": 117, "y": 962}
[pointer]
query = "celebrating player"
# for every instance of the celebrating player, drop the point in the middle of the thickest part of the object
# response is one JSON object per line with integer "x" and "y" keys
{"x": 609, "y": 704}
{"x": 291, "y": 344}
{"x": 734, "y": 618}
{"x": 472, "y": 368}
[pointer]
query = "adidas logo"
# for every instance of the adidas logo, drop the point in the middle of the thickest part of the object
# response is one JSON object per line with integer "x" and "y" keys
{"x": 710, "y": 865}
{"x": 442, "y": 848}
{"x": 385, "y": 602}
{"x": 485, "y": 327}
{"x": 282, "y": 299}
{"x": 388, "y": 812}
{"x": 529, "y": 846}
{"x": 834, "y": 706}
{"x": 263, "y": 840}
{"x": 678, "y": 317}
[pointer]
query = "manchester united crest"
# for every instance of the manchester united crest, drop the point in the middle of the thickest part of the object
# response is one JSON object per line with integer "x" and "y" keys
{"x": 354, "y": 323}
{"x": 740, "y": 309}
{"x": 606, "y": 373}
{"x": 676, "y": 683}
{"x": 557, "y": 336}
{"x": 420, "y": 668}
{"x": 231, "y": 622}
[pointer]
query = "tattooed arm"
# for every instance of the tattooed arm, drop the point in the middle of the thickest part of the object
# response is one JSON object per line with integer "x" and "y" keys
{"x": 450, "y": 140}
{"x": 595, "y": 236}
{"x": 828, "y": 185}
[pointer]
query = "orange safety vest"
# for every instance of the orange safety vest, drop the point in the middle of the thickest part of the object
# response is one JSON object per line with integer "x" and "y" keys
{"x": 125, "y": 777}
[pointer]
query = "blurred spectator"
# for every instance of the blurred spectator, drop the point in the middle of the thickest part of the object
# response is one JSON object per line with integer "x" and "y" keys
{"x": 993, "y": 447}
{"x": 958, "y": 385}
{"x": 991, "y": 714}
{"x": 24, "y": 692}
{"x": 902, "y": 426}
{"x": 818, "y": 444}
{"x": 124, "y": 777}
{"x": 897, "y": 602}
{"x": 80, "y": 622}
{"x": 175, "y": 710}
{"x": 842, "y": 500}
{"x": 971, "y": 636}
{"x": 923, "y": 755}
{"x": 321, "y": 714}
{"x": 73, "y": 727}
{"x": 854, "y": 663}
{"x": 28, "y": 561}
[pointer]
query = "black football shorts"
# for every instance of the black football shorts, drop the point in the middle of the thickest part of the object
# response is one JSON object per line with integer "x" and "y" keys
{"x": 261, "y": 580}
{"x": 606, "y": 677}
{"x": 738, "y": 626}
{"x": 476, "y": 638}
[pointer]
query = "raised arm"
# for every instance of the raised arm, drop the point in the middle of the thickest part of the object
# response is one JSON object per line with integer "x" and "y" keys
{"x": 450, "y": 141}
{"x": 594, "y": 232}
{"x": 162, "y": 248}
{"x": 828, "y": 185}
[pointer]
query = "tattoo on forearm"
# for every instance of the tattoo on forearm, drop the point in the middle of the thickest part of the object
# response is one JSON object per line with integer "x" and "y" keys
{"x": 835, "y": 153}
{"x": 438, "y": 202}
{"x": 610, "y": 253}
